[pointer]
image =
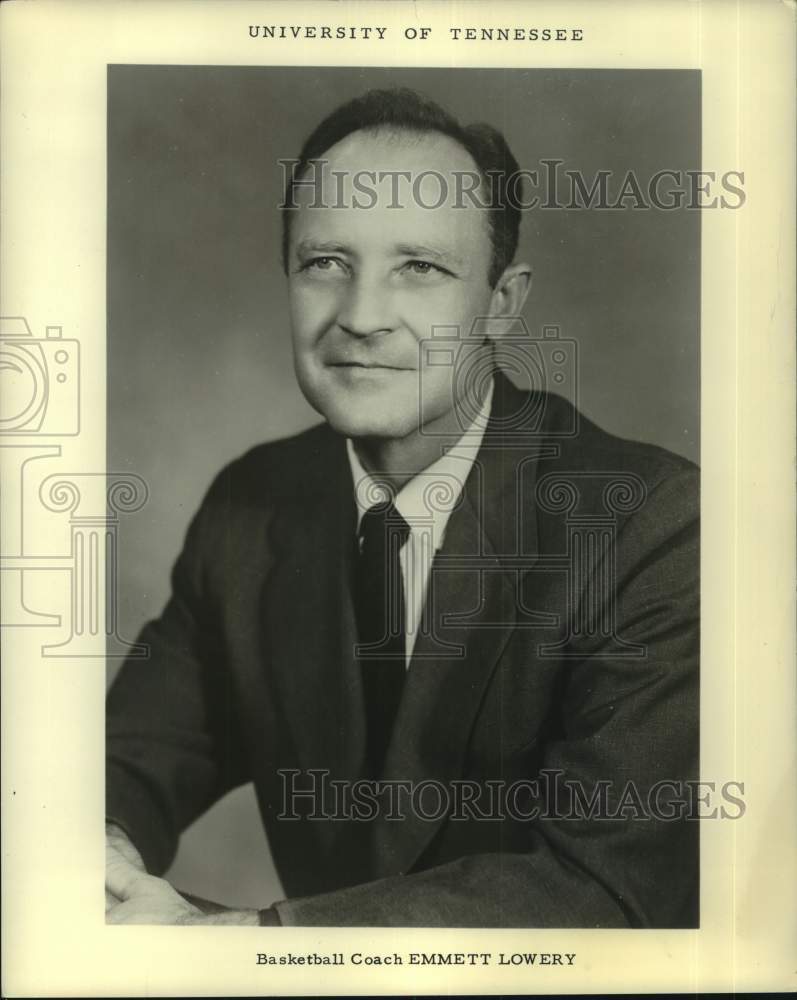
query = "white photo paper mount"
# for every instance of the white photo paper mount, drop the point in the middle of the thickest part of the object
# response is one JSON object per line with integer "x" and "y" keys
{"x": 148, "y": 339}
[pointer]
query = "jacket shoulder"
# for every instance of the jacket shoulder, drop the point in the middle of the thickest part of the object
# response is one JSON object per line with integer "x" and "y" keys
{"x": 614, "y": 474}
{"x": 278, "y": 470}
{"x": 583, "y": 446}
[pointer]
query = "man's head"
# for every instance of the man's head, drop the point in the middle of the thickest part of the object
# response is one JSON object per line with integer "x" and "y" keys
{"x": 390, "y": 250}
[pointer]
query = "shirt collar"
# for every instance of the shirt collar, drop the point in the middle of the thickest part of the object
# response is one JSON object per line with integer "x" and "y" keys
{"x": 429, "y": 498}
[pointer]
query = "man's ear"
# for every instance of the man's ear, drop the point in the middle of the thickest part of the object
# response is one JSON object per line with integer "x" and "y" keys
{"x": 511, "y": 291}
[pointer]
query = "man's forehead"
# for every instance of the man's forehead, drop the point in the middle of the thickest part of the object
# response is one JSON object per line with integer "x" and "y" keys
{"x": 391, "y": 148}
{"x": 405, "y": 185}
{"x": 444, "y": 236}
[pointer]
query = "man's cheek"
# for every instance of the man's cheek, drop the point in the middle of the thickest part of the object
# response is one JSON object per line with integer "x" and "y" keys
{"x": 312, "y": 311}
{"x": 429, "y": 306}
{"x": 436, "y": 390}
{"x": 441, "y": 312}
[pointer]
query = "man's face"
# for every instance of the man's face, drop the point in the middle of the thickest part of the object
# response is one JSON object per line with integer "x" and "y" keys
{"x": 367, "y": 285}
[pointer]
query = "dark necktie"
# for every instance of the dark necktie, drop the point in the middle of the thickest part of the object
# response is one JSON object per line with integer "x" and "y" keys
{"x": 379, "y": 600}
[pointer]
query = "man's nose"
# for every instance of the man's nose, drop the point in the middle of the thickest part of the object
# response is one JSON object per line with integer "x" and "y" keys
{"x": 367, "y": 309}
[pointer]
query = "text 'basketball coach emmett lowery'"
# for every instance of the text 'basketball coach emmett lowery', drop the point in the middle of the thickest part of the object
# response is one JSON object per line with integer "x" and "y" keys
{"x": 450, "y": 634}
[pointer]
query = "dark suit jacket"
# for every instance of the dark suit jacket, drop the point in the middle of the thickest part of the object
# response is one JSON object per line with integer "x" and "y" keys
{"x": 565, "y": 612}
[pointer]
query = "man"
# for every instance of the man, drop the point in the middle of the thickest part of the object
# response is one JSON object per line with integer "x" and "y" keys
{"x": 451, "y": 586}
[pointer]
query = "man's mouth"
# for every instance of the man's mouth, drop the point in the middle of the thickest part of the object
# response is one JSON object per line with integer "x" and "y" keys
{"x": 370, "y": 366}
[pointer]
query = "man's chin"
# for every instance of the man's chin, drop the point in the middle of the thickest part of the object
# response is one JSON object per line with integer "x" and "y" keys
{"x": 371, "y": 414}
{"x": 375, "y": 427}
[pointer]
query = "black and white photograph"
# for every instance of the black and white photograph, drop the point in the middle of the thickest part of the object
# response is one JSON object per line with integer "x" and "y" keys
{"x": 409, "y": 360}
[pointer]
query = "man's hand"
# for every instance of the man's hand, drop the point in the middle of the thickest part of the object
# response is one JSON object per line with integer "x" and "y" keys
{"x": 116, "y": 840}
{"x": 134, "y": 897}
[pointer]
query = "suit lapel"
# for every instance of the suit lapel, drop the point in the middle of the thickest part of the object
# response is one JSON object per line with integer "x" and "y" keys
{"x": 309, "y": 622}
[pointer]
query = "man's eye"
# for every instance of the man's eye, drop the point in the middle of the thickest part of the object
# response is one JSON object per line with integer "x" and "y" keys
{"x": 322, "y": 264}
{"x": 423, "y": 267}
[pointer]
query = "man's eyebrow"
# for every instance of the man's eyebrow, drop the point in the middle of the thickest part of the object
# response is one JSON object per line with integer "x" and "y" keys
{"x": 321, "y": 246}
{"x": 439, "y": 254}
{"x": 425, "y": 250}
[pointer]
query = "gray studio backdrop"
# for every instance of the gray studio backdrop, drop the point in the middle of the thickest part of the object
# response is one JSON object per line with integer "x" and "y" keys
{"x": 199, "y": 359}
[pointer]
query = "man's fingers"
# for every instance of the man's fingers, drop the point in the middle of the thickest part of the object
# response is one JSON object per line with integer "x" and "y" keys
{"x": 123, "y": 865}
{"x": 124, "y": 913}
{"x": 116, "y": 837}
{"x": 152, "y": 901}
{"x": 120, "y": 875}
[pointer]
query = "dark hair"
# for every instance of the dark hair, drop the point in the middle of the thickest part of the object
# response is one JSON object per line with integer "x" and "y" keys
{"x": 401, "y": 108}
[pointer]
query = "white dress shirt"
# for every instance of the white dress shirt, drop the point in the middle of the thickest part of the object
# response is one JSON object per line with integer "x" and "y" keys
{"x": 426, "y": 503}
